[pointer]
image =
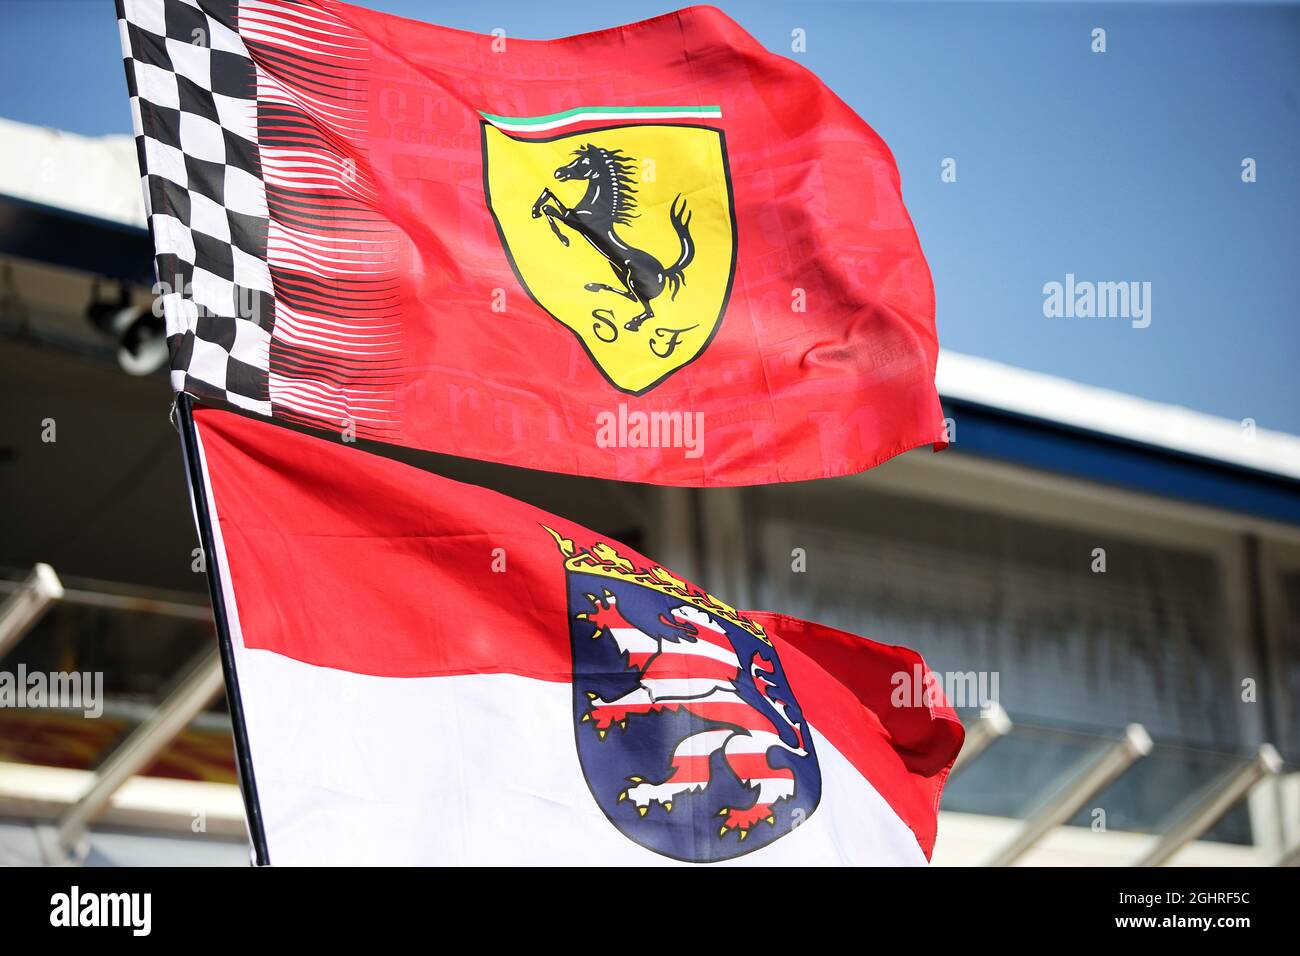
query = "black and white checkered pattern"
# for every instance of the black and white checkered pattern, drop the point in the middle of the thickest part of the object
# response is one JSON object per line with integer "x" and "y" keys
{"x": 193, "y": 93}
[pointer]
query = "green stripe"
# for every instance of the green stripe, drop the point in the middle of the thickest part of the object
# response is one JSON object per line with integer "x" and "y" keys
{"x": 579, "y": 110}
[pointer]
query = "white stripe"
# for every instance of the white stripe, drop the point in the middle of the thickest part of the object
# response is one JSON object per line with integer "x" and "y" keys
{"x": 755, "y": 742}
{"x": 698, "y": 689}
{"x": 327, "y": 401}
{"x": 635, "y": 640}
{"x": 267, "y": 22}
{"x": 481, "y": 770}
{"x": 702, "y": 649}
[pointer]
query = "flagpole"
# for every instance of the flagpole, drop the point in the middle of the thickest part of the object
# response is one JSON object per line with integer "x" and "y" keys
{"x": 199, "y": 498}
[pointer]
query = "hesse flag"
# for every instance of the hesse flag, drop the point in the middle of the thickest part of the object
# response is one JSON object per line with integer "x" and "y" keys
{"x": 431, "y": 672}
{"x": 657, "y": 252}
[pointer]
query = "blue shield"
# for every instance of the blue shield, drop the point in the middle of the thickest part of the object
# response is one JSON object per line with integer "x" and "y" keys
{"x": 688, "y": 732}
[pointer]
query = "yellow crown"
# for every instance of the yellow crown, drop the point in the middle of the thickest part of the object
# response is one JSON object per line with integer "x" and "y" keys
{"x": 604, "y": 560}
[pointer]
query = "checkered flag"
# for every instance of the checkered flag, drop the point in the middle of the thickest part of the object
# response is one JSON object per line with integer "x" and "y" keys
{"x": 194, "y": 104}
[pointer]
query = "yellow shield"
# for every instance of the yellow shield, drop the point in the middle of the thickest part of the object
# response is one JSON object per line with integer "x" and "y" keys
{"x": 625, "y": 234}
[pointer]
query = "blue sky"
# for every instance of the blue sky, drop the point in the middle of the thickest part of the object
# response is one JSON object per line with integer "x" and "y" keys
{"x": 1119, "y": 166}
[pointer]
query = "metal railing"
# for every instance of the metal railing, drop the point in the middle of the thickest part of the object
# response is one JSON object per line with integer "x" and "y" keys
{"x": 27, "y": 602}
{"x": 1099, "y": 767}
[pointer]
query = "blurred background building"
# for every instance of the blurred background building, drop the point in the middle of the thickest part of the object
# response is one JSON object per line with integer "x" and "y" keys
{"x": 1123, "y": 576}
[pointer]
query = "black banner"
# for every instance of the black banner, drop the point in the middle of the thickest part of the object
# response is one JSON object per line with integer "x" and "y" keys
{"x": 944, "y": 905}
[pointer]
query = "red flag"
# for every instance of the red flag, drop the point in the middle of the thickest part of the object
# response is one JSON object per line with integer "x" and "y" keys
{"x": 657, "y": 252}
{"x": 433, "y": 672}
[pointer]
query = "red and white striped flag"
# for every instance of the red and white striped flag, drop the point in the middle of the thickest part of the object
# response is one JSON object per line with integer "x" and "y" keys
{"x": 431, "y": 672}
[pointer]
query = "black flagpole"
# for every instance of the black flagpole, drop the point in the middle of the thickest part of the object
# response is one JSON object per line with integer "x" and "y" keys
{"x": 243, "y": 757}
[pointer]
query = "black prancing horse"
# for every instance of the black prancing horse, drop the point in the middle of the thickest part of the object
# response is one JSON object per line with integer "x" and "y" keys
{"x": 609, "y": 201}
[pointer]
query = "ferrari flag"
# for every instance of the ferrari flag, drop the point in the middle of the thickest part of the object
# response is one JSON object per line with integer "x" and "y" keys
{"x": 654, "y": 253}
{"x": 431, "y": 672}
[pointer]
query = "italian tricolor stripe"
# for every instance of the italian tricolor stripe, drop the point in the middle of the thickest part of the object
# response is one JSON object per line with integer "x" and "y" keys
{"x": 583, "y": 114}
